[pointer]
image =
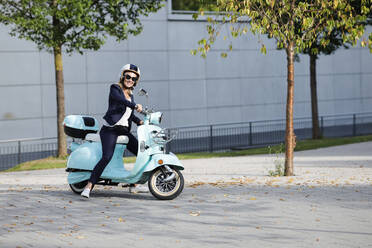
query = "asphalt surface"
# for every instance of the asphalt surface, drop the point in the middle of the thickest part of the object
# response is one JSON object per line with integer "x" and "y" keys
{"x": 228, "y": 202}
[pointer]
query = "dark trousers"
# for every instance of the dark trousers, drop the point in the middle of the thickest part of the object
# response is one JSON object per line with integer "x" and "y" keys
{"x": 109, "y": 136}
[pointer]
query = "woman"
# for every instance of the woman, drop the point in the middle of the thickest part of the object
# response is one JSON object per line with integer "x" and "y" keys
{"x": 117, "y": 121}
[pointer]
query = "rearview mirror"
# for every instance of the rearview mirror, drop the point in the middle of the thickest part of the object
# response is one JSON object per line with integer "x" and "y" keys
{"x": 142, "y": 92}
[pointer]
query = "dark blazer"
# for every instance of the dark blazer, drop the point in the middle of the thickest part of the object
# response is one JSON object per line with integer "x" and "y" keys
{"x": 117, "y": 106}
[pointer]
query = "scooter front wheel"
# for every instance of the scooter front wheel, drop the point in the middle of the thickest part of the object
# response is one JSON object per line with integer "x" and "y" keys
{"x": 78, "y": 187}
{"x": 163, "y": 189}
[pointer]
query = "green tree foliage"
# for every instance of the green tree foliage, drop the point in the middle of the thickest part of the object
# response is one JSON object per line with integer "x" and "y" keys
{"x": 194, "y": 5}
{"x": 76, "y": 25}
{"x": 335, "y": 42}
{"x": 73, "y": 25}
{"x": 295, "y": 25}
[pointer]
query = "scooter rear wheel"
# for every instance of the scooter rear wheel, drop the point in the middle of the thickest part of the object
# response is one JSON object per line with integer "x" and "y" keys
{"x": 165, "y": 190}
{"x": 78, "y": 187}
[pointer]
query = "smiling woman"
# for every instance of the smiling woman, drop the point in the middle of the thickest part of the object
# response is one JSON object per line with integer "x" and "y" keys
{"x": 117, "y": 121}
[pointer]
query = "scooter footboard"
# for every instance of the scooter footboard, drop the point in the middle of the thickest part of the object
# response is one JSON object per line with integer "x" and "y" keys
{"x": 77, "y": 177}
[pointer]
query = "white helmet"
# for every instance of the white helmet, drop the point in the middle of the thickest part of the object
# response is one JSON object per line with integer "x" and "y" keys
{"x": 129, "y": 67}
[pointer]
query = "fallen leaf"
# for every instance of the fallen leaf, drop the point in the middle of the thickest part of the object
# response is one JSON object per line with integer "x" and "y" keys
{"x": 281, "y": 199}
{"x": 121, "y": 220}
{"x": 196, "y": 184}
{"x": 253, "y": 198}
{"x": 194, "y": 213}
{"x": 80, "y": 237}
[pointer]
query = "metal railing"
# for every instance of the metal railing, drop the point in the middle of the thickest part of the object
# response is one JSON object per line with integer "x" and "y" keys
{"x": 209, "y": 138}
{"x": 260, "y": 133}
{"x": 13, "y": 152}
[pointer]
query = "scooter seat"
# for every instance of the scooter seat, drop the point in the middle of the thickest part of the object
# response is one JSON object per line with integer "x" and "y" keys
{"x": 93, "y": 137}
{"x": 122, "y": 139}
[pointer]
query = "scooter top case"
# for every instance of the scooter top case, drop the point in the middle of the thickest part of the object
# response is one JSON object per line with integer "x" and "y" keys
{"x": 78, "y": 126}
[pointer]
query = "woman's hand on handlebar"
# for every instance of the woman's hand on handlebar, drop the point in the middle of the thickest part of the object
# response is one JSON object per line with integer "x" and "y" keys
{"x": 139, "y": 108}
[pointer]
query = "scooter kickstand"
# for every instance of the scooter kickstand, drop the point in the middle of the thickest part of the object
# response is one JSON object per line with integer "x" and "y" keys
{"x": 127, "y": 185}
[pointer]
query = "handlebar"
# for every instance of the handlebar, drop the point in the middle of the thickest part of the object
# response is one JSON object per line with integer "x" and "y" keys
{"x": 146, "y": 111}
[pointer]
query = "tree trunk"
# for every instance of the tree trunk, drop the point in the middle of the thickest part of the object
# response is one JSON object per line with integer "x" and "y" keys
{"x": 62, "y": 146}
{"x": 314, "y": 97}
{"x": 289, "y": 133}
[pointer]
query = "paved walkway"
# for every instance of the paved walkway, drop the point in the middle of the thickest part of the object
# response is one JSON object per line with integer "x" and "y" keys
{"x": 228, "y": 202}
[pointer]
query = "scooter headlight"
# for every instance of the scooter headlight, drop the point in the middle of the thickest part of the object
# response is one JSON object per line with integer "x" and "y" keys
{"x": 155, "y": 118}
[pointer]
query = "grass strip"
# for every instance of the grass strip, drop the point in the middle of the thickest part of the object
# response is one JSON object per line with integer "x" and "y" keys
{"x": 53, "y": 163}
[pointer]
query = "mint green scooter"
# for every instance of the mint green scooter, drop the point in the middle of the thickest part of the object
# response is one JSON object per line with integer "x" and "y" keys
{"x": 155, "y": 165}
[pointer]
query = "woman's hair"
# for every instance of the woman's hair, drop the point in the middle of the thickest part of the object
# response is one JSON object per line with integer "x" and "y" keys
{"x": 120, "y": 83}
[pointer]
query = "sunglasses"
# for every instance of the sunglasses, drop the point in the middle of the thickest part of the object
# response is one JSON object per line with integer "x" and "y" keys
{"x": 134, "y": 79}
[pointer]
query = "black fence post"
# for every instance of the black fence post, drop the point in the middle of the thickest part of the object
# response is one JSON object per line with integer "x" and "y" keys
{"x": 210, "y": 138}
{"x": 19, "y": 152}
{"x": 322, "y": 126}
{"x": 250, "y": 133}
{"x": 354, "y": 124}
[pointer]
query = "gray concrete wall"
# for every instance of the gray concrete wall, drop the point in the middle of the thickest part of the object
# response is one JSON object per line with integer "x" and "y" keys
{"x": 246, "y": 86}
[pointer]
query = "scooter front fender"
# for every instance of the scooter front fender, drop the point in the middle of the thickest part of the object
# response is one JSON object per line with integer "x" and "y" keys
{"x": 168, "y": 159}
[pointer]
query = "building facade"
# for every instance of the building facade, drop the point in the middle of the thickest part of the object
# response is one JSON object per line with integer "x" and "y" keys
{"x": 189, "y": 90}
